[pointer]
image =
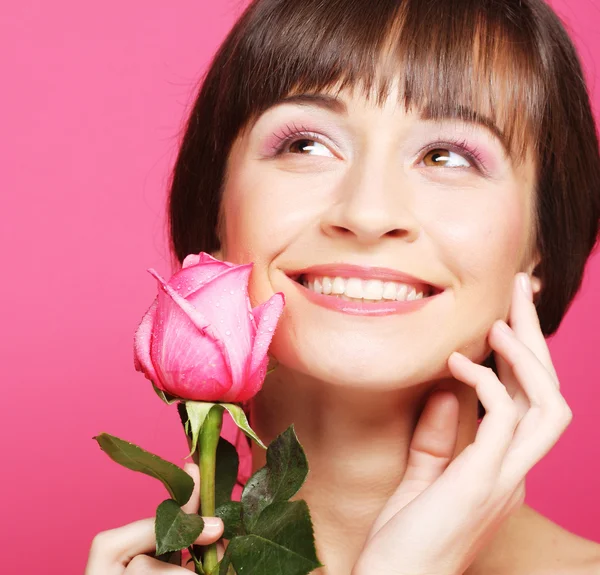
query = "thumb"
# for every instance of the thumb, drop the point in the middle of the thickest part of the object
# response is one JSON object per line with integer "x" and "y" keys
{"x": 430, "y": 452}
{"x": 193, "y": 505}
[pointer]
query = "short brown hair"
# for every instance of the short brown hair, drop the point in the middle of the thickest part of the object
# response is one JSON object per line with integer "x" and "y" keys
{"x": 510, "y": 60}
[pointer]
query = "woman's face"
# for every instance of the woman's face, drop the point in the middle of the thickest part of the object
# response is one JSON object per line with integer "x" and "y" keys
{"x": 338, "y": 180}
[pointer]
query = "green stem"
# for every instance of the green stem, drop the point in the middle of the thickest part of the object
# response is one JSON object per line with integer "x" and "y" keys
{"x": 207, "y": 446}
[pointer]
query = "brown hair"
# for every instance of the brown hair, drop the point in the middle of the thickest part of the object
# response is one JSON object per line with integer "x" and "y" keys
{"x": 510, "y": 60}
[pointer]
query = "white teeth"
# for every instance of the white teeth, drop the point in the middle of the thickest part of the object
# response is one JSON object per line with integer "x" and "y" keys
{"x": 338, "y": 286}
{"x": 357, "y": 289}
{"x": 372, "y": 289}
{"x": 390, "y": 289}
{"x": 402, "y": 289}
{"x": 354, "y": 288}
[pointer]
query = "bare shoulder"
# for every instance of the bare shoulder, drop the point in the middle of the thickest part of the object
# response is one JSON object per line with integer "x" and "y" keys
{"x": 547, "y": 548}
{"x": 530, "y": 544}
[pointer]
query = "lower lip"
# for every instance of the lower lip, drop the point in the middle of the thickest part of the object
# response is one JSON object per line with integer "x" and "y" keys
{"x": 382, "y": 307}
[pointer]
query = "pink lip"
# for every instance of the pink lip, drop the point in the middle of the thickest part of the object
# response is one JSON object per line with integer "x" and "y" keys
{"x": 364, "y": 272}
{"x": 382, "y": 307}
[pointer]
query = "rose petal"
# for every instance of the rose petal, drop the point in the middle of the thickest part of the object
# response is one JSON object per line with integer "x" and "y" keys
{"x": 190, "y": 260}
{"x": 266, "y": 315}
{"x": 141, "y": 344}
{"x": 190, "y": 278}
{"x": 224, "y": 303}
{"x": 184, "y": 338}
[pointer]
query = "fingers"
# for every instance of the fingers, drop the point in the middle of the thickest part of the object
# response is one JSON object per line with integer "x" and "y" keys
{"x": 525, "y": 322}
{"x": 497, "y": 428}
{"x": 434, "y": 439}
{"x": 516, "y": 431}
{"x": 548, "y": 416}
{"x": 431, "y": 449}
{"x": 193, "y": 505}
{"x": 112, "y": 551}
{"x": 144, "y": 565}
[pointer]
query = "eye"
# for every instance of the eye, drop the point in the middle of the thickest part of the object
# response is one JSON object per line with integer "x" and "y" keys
{"x": 310, "y": 147}
{"x": 445, "y": 158}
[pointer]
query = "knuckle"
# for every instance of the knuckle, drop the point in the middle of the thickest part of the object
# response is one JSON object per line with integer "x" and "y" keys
{"x": 509, "y": 412}
{"x": 102, "y": 541}
{"x": 561, "y": 413}
{"x": 139, "y": 564}
{"x": 567, "y": 415}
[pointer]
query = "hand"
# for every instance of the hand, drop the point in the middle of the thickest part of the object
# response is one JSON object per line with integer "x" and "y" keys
{"x": 444, "y": 512}
{"x": 121, "y": 551}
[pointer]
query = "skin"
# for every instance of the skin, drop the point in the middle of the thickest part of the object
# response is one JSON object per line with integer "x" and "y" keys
{"x": 402, "y": 480}
{"x": 361, "y": 191}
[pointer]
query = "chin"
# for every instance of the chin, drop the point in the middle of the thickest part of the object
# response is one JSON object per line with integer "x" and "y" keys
{"x": 357, "y": 366}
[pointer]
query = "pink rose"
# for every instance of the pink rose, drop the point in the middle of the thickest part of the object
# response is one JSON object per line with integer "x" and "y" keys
{"x": 201, "y": 340}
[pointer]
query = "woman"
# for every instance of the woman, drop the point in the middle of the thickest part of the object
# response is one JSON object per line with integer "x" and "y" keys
{"x": 414, "y": 175}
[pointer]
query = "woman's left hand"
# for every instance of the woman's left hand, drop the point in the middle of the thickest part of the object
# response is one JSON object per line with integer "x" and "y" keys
{"x": 446, "y": 510}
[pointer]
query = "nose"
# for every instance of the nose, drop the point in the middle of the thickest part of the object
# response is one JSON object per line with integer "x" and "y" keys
{"x": 373, "y": 202}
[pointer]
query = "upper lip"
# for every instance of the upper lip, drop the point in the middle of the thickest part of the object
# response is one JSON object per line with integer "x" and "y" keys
{"x": 363, "y": 272}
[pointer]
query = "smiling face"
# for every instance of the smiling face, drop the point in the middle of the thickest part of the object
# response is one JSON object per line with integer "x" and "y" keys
{"x": 326, "y": 180}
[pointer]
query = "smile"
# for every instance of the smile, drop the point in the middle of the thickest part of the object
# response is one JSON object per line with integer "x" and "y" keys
{"x": 359, "y": 290}
{"x": 407, "y": 298}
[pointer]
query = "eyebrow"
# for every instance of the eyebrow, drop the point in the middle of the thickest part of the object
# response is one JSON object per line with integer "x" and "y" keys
{"x": 461, "y": 113}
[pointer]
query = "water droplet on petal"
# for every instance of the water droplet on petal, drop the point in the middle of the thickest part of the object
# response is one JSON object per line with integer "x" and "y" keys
{"x": 227, "y": 332}
{"x": 189, "y": 288}
{"x": 270, "y": 329}
{"x": 231, "y": 292}
{"x": 178, "y": 286}
{"x": 217, "y": 304}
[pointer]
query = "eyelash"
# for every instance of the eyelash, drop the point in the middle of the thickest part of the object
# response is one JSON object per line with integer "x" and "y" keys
{"x": 290, "y": 133}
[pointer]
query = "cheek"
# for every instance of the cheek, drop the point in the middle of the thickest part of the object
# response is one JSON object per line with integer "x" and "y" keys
{"x": 482, "y": 239}
{"x": 265, "y": 212}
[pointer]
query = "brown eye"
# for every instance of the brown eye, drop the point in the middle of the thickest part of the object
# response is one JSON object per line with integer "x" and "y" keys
{"x": 309, "y": 147}
{"x": 446, "y": 158}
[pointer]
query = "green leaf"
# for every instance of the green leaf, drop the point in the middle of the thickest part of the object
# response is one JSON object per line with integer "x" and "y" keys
{"x": 178, "y": 483}
{"x": 197, "y": 412}
{"x": 231, "y": 514}
{"x": 226, "y": 471}
{"x": 239, "y": 418}
{"x": 288, "y": 524}
{"x": 174, "y": 528}
{"x": 173, "y": 557}
{"x": 166, "y": 397}
{"x": 254, "y": 555}
{"x": 281, "y": 478}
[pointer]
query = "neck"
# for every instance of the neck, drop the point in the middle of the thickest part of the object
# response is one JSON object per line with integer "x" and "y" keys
{"x": 357, "y": 445}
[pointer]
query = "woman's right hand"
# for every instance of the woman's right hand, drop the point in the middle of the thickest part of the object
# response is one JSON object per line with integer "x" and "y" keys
{"x": 122, "y": 551}
{"x": 446, "y": 510}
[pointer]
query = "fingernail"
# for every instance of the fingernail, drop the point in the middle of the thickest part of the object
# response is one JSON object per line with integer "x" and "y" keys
{"x": 212, "y": 521}
{"x": 526, "y": 286}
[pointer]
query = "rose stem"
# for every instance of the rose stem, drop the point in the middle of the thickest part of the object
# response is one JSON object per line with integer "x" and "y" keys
{"x": 209, "y": 439}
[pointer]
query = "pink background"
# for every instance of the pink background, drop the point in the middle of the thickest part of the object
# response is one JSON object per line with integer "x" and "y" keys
{"x": 93, "y": 100}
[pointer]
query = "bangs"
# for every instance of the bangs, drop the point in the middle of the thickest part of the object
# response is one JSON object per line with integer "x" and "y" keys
{"x": 473, "y": 60}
